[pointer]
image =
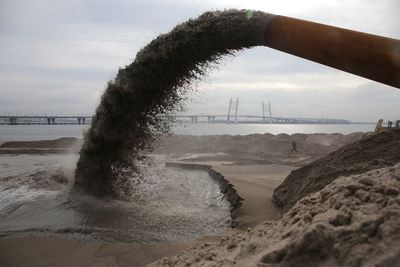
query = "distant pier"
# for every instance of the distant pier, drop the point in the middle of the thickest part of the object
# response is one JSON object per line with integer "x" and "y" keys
{"x": 44, "y": 120}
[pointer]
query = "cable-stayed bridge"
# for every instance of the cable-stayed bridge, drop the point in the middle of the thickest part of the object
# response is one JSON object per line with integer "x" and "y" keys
{"x": 178, "y": 118}
{"x": 231, "y": 117}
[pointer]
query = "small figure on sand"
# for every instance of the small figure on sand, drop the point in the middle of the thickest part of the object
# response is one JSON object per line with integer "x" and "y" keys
{"x": 294, "y": 147}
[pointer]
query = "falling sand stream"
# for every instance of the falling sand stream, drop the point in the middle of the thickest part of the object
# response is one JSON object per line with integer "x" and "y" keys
{"x": 130, "y": 114}
{"x": 141, "y": 199}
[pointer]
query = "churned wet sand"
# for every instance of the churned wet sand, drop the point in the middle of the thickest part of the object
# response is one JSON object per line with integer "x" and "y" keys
{"x": 57, "y": 251}
{"x": 361, "y": 206}
{"x": 254, "y": 183}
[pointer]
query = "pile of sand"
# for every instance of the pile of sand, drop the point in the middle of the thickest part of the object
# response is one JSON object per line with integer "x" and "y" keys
{"x": 371, "y": 152}
{"x": 335, "y": 140}
{"x": 247, "y": 149}
{"x": 65, "y": 142}
{"x": 281, "y": 144}
{"x": 354, "y": 221}
{"x": 343, "y": 210}
{"x": 257, "y": 148}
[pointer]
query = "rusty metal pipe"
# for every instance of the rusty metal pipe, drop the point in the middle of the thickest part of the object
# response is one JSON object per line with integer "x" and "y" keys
{"x": 373, "y": 57}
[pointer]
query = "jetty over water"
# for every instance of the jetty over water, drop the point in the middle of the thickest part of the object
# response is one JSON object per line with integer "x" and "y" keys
{"x": 45, "y": 119}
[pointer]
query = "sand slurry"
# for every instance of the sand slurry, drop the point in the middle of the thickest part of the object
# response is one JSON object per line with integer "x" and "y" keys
{"x": 354, "y": 221}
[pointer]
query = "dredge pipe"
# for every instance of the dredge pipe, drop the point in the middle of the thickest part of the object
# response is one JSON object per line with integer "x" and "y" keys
{"x": 366, "y": 55}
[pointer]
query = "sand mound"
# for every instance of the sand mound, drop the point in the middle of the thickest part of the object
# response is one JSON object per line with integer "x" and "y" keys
{"x": 354, "y": 221}
{"x": 263, "y": 145}
{"x": 61, "y": 145}
{"x": 65, "y": 142}
{"x": 371, "y": 152}
{"x": 336, "y": 139}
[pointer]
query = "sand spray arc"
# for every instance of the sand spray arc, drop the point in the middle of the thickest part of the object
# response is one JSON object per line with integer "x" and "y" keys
{"x": 128, "y": 117}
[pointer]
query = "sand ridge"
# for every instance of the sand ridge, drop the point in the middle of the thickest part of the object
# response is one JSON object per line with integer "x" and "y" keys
{"x": 368, "y": 153}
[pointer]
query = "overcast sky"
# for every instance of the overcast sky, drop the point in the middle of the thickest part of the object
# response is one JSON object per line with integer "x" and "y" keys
{"x": 57, "y": 55}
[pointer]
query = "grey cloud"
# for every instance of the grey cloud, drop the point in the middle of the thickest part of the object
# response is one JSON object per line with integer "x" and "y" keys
{"x": 377, "y": 92}
{"x": 346, "y": 104}
{"x": 57, "y": 57}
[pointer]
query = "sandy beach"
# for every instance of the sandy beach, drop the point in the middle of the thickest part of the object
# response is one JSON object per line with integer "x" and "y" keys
{"x": 254, "y": 175}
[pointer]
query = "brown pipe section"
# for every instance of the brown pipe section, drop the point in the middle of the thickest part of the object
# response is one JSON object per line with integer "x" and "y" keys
{"x": 366, "y": 55}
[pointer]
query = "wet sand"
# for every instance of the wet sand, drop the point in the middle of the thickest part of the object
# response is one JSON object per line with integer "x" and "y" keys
{"x": 254, "y": 171}
{"x": 254, "y": 183}
{"x": 56, "y": 251}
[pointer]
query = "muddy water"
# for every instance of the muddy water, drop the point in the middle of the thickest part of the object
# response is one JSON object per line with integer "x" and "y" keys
{"x": 36, "y": 198}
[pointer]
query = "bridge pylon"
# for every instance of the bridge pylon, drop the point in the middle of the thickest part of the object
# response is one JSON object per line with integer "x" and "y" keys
{"x": 233, "y": 109}
{"x": 266, "y": 110}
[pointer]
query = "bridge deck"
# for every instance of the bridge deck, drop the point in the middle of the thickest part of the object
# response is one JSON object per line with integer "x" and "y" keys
{"x": 194, "y": 118}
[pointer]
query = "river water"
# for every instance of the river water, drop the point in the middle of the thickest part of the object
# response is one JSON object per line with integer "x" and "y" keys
{"x": 42, "y": 132}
